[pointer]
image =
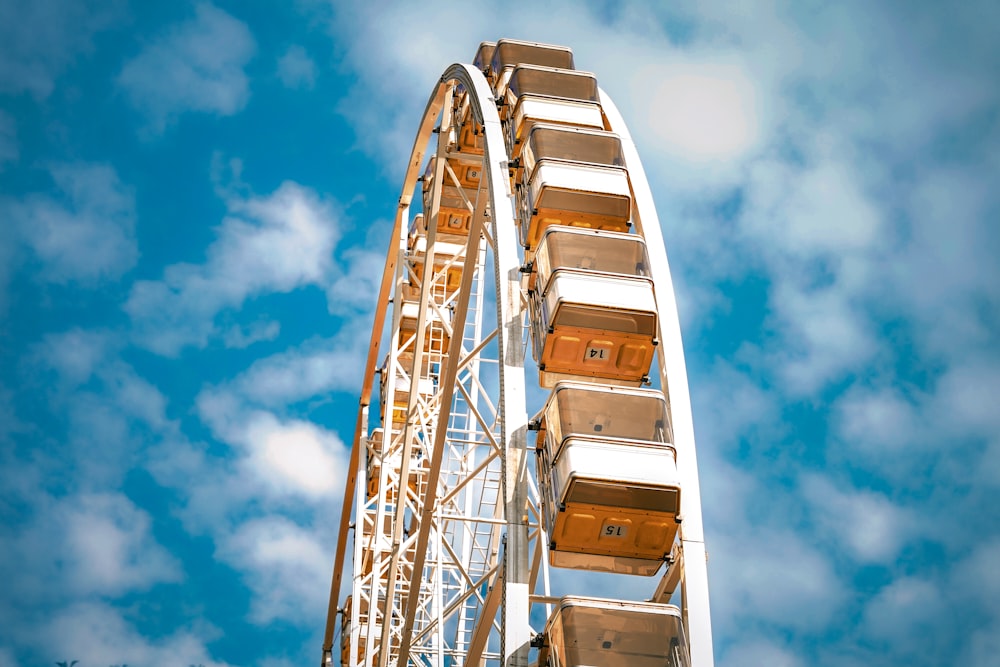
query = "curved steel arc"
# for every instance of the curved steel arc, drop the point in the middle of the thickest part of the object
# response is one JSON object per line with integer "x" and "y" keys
{"x": 509, "y": 319}
{"x": 673, "y": 377}
{"x": 417, "y": 155}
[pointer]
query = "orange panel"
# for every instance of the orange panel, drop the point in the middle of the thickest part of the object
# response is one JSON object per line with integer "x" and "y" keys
{"x": 454, "y": 221}
{"x": 564, "y": 349}
{"x": 612, "y": 531}
{"x": 471, "y": 138}
{"x": 653, "y": 534}
{"x": 577, "y": 527}
{"x": 597, "y": 353}
{"x": 469, "y": 176}
{"x": 635, "y": 358}
{"x": 399, "y": 414}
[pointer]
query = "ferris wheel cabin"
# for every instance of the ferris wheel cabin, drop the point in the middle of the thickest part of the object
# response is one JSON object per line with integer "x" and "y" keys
{"x": 574, "y": 177}
{"x": 593, "y": 309}
{"x": 608, "y": 478}
{"x": 586, "y": 631}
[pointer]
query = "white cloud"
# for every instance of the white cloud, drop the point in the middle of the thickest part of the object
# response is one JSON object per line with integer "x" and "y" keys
{"x": 823, "y": 337}
{"x": 108, "y": 548}
{"x": 289, "y": 457}
{"x": 288, "y": 567}
{"x": 946, "y": 271}
{"x": 109, "y": 412}
{"x": 266, "y": 244}
{"x": 262, "y": 499}
{"x": 865, "y": 524}
{"x": 41, "y": 38}
{"x": 860, "y": 197}
{"x": 265, "y": 504}
{"x": 878, "y": 419}
{"x": 733, "y": 408}
{"x": 76, "y": 354}
{"x": 83, "y": 545}
{"x": 297, "y": 453}
{"x": 295, "y": 456}
{"x": 239, "y": 337}
{"x": 356, "y": 289}
{"x": 272, "y": 463}
{"x": 314, "y": 368}
{"x": 952, "y": 613}
{"x": 818, "y": 238}
{"x": 802, "y": 211}
{"x": 85, "y": 233}
{"x": 196, "y": 66}
{"x": 101, "y": 440}
{"x": 757, "y": 653}
{"x": 977, "y": 576}
{"x": 296, "y": 69}
{"x": 782, "y": 580}
{"x": 701, "y": 112}
{"x": 904, "y": 609}
{"x": 900, "y": 428}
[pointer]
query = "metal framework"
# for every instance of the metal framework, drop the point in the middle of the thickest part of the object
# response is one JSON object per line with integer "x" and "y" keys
{"x": 441, "y": 537}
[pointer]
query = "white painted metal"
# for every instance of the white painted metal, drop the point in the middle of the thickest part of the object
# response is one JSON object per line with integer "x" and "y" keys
{"x": 425, "y": 386}
{"x": 531, "y": 110}
{"x": 624, "y": 463}
{"x": 444, "y": 250}
{"x": 613, "y": 293}
{"x": 566, "y": 176}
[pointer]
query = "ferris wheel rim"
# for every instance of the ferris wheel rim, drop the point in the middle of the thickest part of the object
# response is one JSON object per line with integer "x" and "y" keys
{"x": 672, "y": 374}
{"x": 501, "y": 217}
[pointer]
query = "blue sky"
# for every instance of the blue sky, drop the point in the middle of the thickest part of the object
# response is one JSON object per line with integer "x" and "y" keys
{"x": 194, "y": 205}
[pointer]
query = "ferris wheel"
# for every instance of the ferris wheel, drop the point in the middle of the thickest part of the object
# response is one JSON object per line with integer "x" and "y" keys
{"x": 525, "y": 402}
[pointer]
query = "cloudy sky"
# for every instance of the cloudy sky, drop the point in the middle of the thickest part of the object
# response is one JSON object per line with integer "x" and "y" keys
{"x": 194, "y": 205}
